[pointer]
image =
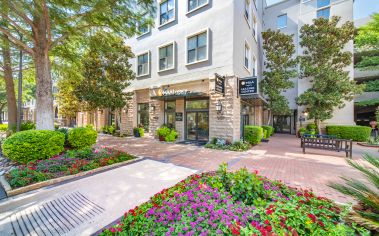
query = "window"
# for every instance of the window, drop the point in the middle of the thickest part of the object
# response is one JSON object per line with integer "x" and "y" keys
{"x": 255, "y": 27}
{"x": 196, "y": 4}
{"x": 254, "y": 66}
{"x": 166, "y": 11}
{"x": 323, "y": 8}
{"x": 247, "y": 57}
{"x": 325, "y": 13}
{"x": 143, "y": 64}
{"x": 143, "y": 28}
{"x": 247, "y": 10}
{"x": 170, "y": 109}
{"x": 166, "y": 57}
{"x": 197, "y": 104}
{"x": 143, "y": 115}
{"x": 323, "y": 3}
{"x": 282, "y": 21}
{"x": 197, "y": 48}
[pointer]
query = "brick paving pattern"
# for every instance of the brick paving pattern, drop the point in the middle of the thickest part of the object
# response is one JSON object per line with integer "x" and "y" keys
{"x": 280, "y": 159}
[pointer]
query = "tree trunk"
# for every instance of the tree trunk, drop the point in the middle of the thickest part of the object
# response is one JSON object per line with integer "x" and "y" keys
{"x": 317, "y": 123}
{"x": 269, "y": 117}
{"x": 44, "y": 93}
{"x": 9, "y": 84}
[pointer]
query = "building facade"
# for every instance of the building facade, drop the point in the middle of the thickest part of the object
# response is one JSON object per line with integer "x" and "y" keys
{"x": 198, "y": 68}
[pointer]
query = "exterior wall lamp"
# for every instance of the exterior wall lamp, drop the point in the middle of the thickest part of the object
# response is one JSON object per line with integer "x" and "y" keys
{"x": 218, "y": 106}
{"x": 152, "y": 108}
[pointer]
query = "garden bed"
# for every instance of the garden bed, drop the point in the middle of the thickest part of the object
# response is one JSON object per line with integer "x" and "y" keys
{"x": 66, "y": 166}
{"x": 369, "y": 145}
{"x": 239, "y": 203}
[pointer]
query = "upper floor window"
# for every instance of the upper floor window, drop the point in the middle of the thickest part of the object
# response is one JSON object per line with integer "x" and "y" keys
{"x": 254, "y": 66}
{"x": 197, "y": 47}
{"x": 247, "y": 56}
{"x": 325, "y": 13}
{"x": 144, "y": 28}
{"x": 195, "y": 4}
{"x": 247, "y": 10}
{"x": 323, "y": 3}
{"x": 255, "y": 27}
{"x": 282, "y": 21}
{"x": 166, "y": 57}
{"x": 143, "y": 61}
{"x": 166, "y": 11}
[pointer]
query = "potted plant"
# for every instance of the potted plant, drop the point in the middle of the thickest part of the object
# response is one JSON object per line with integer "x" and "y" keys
{"x": 162, "y": 132}
{"x": 136, "y": 132}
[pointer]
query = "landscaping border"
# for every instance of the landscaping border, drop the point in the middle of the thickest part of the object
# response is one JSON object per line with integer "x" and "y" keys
{"x": 368, "y": 145}
{"x": 12, "y": 192}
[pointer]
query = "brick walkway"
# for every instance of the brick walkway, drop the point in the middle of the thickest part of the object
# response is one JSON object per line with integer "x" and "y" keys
{"x": 280, "y": 159}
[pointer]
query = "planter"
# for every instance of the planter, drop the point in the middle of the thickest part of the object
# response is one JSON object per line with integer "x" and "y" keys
{"x": 137, "y": 134}
{"x": 162, "y": 139}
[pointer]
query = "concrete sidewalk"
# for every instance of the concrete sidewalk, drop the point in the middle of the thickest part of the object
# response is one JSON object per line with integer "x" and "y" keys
{"x": 84, "y": 206}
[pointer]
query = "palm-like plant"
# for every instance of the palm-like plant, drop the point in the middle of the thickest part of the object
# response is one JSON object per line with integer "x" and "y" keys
{"x": 366, "y": 213}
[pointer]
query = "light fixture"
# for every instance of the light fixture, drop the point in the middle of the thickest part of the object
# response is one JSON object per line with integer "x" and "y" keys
{"x": 305, "y": 113}
{"x": 152, "y": 108}
{"x": 244, "y": 110}
{"x": 218, "y": 106}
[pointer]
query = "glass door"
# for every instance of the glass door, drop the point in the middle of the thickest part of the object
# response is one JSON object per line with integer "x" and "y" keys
{"x": 282, "y": 124}
{"x": 197, "y": 126}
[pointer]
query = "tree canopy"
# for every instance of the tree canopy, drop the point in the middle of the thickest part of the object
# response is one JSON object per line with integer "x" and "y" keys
{"x": 323, "y": 64}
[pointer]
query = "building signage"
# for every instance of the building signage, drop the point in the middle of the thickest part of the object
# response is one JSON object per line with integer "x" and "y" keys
{"x": 220, "y": 84}
{"x": 248, "y": 86}
{"x": 173, "y": 92}
{"x": 179, "y": 116}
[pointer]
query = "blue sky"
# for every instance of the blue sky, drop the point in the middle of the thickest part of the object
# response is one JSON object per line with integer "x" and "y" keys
{"x": 362, "y": 8}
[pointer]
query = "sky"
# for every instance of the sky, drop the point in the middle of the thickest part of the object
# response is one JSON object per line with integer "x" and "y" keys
{"x": 362, "y": 8}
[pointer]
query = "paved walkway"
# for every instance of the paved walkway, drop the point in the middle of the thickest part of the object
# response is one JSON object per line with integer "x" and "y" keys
{"x": 280, "y": 159}
{"x": 84, "y": 206}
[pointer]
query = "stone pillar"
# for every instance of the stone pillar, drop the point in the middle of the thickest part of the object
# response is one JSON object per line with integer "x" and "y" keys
{"x": 128, "y": 116}
{"x": 225, "y": 124}
{"x": 156, "y": 114}
{"x": 179, "y": 125}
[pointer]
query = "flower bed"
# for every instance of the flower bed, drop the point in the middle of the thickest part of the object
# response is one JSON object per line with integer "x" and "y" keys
{"x": 240, "y": 203}
{"x": 68, "y": 163}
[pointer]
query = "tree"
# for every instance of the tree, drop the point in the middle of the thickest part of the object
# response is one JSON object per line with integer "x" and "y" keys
{"x": 368, "y": 40}
{"x": 106, "y": 73}
{"x": 280, "y": 68}
{"x": 323, "y": 64}
{"x": 3, "y": 98}
{"x": 45, "y": 24}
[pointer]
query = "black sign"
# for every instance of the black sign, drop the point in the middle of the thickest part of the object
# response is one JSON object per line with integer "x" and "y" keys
{"x": 248, "y": 86}
{"x": 220, "y": 84}
{"x": 179, "y": 116}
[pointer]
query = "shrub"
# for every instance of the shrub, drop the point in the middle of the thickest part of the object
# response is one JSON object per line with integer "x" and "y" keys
{"x": 3, "y": 127}
{"x": 239, "y": 146}
{"x": 111, "y": 129}
{"x": 31, "y": 145}
{"x": 270, "y": 130}
{"x": 265, "y": 134}
{"x": 141, "y": 132}
{"x": 79, "y": 138}
{"x": 302, "y": 131}
{"x": 253, "y": 134}
{"x": 355, "y": 133}
{"x": 28, "y": 125}
{"x": 311, "y": 126}
{"x": 172, "y": 136}
{"x": 65, "y": 132}
{"x": 163, "y": 131}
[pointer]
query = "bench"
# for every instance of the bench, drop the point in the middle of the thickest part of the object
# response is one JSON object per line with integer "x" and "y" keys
{"x": 330, "y": 144}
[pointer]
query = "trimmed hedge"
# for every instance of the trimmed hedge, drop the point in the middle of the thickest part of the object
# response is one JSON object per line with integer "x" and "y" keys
{"x": 354, "y": 132}
{"x": 270, "y": 130}
{"x": 79, "y": 138}
{"x": 253, "y": 134}
{"x": 32, "y": 145}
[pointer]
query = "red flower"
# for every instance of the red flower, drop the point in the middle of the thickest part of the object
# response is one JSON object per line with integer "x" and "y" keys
{"x": 235, "y": 229}
{"x": 320, "y": 223}
{"x": 313, "y": 217}
{"x": 267, "y": 222}
{"x": 268, "y": 228}
{"x": 269, "y": 211}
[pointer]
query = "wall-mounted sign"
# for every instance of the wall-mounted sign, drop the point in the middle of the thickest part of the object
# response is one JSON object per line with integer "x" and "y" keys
{"x": 179, "y": 116}
{"x": 220, "y": 84}
{"x": 248, "y": 86}
{"x": 173, "y": 92}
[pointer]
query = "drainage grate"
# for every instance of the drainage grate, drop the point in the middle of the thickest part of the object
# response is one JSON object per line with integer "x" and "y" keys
{"x": 56, "y": 217}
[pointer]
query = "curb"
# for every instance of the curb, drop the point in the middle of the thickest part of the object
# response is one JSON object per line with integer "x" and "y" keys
{"x": 12, "y": 192}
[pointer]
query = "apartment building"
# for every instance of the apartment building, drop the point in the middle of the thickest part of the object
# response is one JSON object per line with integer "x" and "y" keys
{"x": 198, "y": 68}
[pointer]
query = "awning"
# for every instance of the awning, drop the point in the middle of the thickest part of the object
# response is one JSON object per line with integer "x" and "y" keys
{"x": 173, "y": 97}
{"x": 255, "y": 99}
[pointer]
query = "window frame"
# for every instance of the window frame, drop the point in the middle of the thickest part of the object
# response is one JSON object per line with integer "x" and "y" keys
{"x": 255, "y": 65}
{"x": 159, "y": 15}
{"x": 173, "y": 43}
{"x": 207, "y": 48}
{"x": 196, "y": 8}
{"x": 148, "y": 63}
{"x": 255, "y": 27}
{"x": 248, "y": 57}
{"x": 148, "y": 29}
{"x": 323, "y": 8}
{"x": 277, "y": 21}
{"x": 248, "y": 17}
{"x": 169, "y": 111}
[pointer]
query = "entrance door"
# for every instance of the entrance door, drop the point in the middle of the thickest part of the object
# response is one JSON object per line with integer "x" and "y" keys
{"x": 197, "y": 125}
{"x": 282, "y": 124}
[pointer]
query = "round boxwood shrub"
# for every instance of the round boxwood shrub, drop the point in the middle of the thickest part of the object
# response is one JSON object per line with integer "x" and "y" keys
{"x": 353, "y": 132}
{"x": 32, "y": 145}
{"x": 79, "y": 138}
{"x": 270, "y": 130}
{"x": 253, "y": 134}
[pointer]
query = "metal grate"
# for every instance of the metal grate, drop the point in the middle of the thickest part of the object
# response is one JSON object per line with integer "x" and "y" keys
{"x": 56, "y": 217}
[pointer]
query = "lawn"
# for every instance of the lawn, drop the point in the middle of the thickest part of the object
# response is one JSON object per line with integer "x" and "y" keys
{"x": 234, "y": 203}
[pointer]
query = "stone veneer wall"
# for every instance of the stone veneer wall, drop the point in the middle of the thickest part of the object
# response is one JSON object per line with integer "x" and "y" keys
{"x": 226, "y": 124}
{"x": 179, "y": 125}
{"x": 127, "y": 117}
{"x": 156, "y": 116}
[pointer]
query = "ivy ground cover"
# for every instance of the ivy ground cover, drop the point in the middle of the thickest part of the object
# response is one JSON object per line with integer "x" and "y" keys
{"x": 239, "y": 203}
{"x": 68, "y": 163}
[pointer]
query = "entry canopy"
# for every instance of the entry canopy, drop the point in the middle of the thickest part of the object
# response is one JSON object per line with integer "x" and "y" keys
{"x": 255, "y": 99}
{"x": 174, "y": 96}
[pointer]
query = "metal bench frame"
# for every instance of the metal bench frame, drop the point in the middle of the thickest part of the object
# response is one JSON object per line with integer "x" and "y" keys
{"x": 330, "y": 144}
